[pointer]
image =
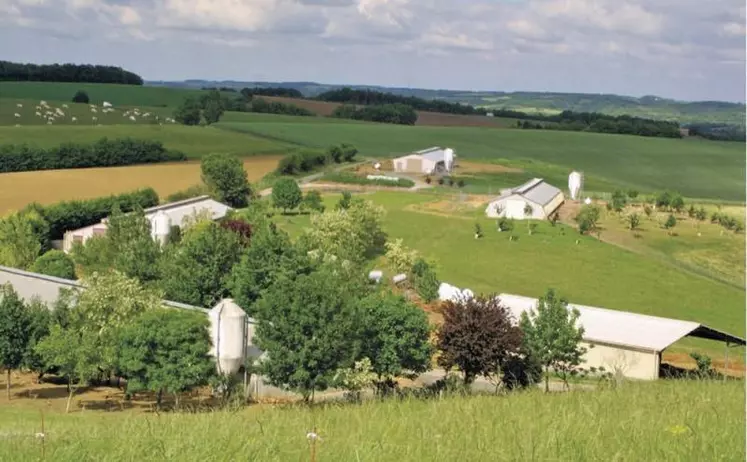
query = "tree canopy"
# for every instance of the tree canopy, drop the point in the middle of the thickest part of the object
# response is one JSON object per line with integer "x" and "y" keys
{"x": 226, "y": 178}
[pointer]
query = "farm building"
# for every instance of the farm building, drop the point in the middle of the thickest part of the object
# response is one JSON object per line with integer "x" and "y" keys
{"x": 428, "y": 161}
{"x": 541, "y": 196}
{"x": 161, "y": 217}
{"x": 624, "y": 342}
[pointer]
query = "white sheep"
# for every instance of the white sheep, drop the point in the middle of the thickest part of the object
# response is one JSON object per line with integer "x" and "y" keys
{"x": 19, "y": 105}
{"x": 93, "y": 109}
{"x": 94, "y": 118}
{"x": 147, "y": 114}
{"x": 38, "y": 108}
{"x": 18, "y": 125}
{"x": 49, "y": 122}
{"x": 74, "y": 119}
{"x": 132, "y": 118}
{"x": 17, "y": 115}
{"x": 107, "y": 104}
{"x": 43, "y": 103}
{"x": 65, "y": 106}
{"x": 38, "y": 114}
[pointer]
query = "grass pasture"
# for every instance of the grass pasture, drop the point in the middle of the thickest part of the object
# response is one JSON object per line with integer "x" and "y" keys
{"x": 665, "y": 420}
{"x": 82, "y": 112}
{"x": 696, "y": 168}
{"x": 591, "y": 272}
{"x": 49, "y": 186}
{"x": 118, "y": 95}
{"x": 194, "y": 141}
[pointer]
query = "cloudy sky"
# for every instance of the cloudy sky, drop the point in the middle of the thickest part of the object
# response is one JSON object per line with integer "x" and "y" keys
{"x": 685, "y": 49}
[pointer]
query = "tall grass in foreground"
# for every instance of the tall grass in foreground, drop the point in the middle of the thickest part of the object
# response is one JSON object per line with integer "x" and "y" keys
{"x": 668, "y": 420}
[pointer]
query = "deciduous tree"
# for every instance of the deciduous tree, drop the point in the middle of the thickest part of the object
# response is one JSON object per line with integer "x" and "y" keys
{"x": 552, "y": 336}
{"x": 286, "y": 194}
{"x": 425, "y": 281}
{"x": 400, "y": 257}
{"x": 55, "y": 263}
{"x": 477, "y": 336}
{"x": 188, "y": 113}
{"x": 166, "y": 350}
{"x": 226, "y": 178}
{"x": 14, "y": 331}
{"x": 20, "y": 239}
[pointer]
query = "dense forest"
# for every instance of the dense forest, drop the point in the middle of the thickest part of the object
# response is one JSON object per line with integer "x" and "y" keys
{"x": 81, "y": 73}
{"x": 401, "y": 114}
{"x": 271, "y": 91}
{"x": 370, "y": 97}
{"x": 718, "y": 132}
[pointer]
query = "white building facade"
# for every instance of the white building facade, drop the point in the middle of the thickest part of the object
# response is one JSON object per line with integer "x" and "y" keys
{"x": 540, "y": 196}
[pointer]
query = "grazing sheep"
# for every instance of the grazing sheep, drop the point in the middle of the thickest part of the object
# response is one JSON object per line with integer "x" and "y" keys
{"x": 43, "y": 103}
{"x": 38, "y": 108}
{"x": 94, "y": 118}
{"x": 18, "y": 125}
{"x": 38, "y": 114}
{"x": 74, "y": 119}
{"x": 132, "y": 118}
{"x": 93, "y": 109}
{"x": 17, "y": 115}
{"x": 65, "y": 106}
{"x": 19, "y": 105}
{"x": 107, "y": 104}
{"x": 49, "y": 122}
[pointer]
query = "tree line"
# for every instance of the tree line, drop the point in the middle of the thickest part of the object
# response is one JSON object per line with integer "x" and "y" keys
{"x": 307, "y": 160}
{"x": 347, "y": 95}
{"x": 595, "y": 122}
{"x": 401, "y": 114}
{"x": 103, "y": 153}
{"x": 717, "y": 132}
{"x": 82, "y": 73}
{"x": 209, "y": 107}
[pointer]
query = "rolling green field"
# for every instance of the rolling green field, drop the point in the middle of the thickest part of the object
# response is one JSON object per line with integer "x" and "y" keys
{"x": 82, "y": 112}
{"x": 701, "y": 169}
{"x": 194, "y": 141}
{"x": 118, "y": 95}
{"x": 590, "y": 272}
{"x": 665, "y": 420}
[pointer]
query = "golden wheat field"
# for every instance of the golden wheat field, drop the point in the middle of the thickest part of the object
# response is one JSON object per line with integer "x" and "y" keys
{"x": 49, "y": 186}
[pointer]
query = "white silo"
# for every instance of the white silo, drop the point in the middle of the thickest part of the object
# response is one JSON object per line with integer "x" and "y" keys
{"x": 160, "y": 225}
{"x": 448, "y": 159}
{"x": 228, "y": 332}
{"x": 575, "y": 182}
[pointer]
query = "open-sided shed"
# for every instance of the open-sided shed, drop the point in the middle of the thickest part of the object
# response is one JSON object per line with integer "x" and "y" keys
{"x": 625, "y": 342}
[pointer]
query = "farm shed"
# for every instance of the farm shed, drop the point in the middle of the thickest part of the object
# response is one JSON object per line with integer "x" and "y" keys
{"x": 541, "y": 196}
{"x": 428, "y": 161}
{"x": 626, "y": 342}
{"x": 161, "y": 217}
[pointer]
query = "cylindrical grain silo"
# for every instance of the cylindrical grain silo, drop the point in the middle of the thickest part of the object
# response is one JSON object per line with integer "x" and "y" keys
{"x": 228, "y": 332}
{"x": 160, "y": 225}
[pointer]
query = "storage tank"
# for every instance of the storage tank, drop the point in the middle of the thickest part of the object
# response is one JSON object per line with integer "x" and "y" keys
{"x": 160, "y": 226}
{"x": 448, "y": 159}
{"x": 228, "y": 333}
{"x": 575, "y": 181}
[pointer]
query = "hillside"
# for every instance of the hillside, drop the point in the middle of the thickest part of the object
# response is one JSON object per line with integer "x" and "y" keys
{"x": 647, "y": 106}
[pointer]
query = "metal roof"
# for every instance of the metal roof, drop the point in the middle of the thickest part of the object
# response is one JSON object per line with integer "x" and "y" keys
{"x": 535, "y": 190}
{"x": 625, "y": 328}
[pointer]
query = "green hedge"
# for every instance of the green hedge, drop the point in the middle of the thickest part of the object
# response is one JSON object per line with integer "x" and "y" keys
{"x": 308, "y": 159}
{"x": 349, "y": 178}
{"x": 70, "y": 215}
{"x": 103, "y": 153}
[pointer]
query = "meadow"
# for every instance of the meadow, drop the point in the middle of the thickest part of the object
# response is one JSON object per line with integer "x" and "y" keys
{"x": 665, "y": 420}
{"x": 82, "y": 112}
{"x": 49, "y": 186}
{"x": 194, "y": 141}
{"x": 118, "y": 95}
{"x": 696, "y": 168}
{"x": 589, "y": 272}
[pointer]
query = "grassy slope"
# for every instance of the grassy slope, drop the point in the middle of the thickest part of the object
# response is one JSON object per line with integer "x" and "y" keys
{"x": 195, "y": 141}
{"x": 646, "y": 421}
{"x": 82, "y": 112}
{"x": 130, "y": 95}
{"x": 592, "y": 272}
{"x": 701, "y": 169}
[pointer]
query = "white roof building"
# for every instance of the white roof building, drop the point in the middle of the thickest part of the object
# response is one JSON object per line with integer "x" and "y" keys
{"x": 542, "y": 197}
{"x": 174, "y": 214}
{"x": 426, "y": 161}
{"x": 625, "y": 342}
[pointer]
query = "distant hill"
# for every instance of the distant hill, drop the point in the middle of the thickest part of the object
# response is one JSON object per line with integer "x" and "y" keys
{"x": 654, "y": 107}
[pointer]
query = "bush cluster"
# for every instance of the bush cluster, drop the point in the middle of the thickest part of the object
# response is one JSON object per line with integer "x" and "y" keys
{"x": 103, "y": 153}
{"x": 401, "y": 114}
{"x": 263, "y": 106}
{"x": 349, "y": 178}
{"x": 68, "y": 215}
{"x": 372, "y": 97}
{"x": 308, "y": 159}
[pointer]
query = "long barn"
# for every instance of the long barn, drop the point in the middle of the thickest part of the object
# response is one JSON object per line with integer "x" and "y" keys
{"x": 625, "y": 342}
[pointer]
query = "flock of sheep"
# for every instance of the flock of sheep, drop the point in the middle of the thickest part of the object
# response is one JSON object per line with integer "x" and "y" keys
{"x": 51, "y": 114}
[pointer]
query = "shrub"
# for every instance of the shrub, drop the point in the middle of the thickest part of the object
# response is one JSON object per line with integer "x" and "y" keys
{"x": 632, "y": 193}
{"x": 313, "y": 201}
{"x": 460, "y": 183}
{"x": 451, "y": 181}
{"x": 55, "y": 263}
{"x": 425, "y": 281}
{"x": 588, "y": 218}
{"x": 103, "y": 153}
{"x": 441, "y": 181}
{"x": 81, "y": 97}
{"x": 240, "y": 227}
{"x": 505, "y": 224}
{"x": 70, "y": 215}
{"x": 428, "y": 180}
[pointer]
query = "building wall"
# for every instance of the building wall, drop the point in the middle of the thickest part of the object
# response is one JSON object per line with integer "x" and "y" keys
{"x": 553, "y": 205}
{"x": 632, "y": 363}
{"x": 414, "y": 163}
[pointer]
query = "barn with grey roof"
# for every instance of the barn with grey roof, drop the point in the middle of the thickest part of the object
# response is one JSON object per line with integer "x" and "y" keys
{"x": 542, "y": 197}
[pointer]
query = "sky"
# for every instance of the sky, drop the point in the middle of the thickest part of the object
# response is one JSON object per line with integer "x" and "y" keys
{"x": 682, "y": 49}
